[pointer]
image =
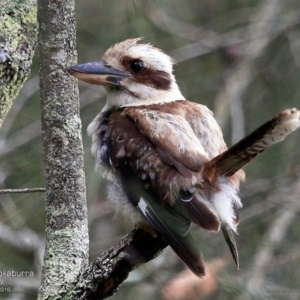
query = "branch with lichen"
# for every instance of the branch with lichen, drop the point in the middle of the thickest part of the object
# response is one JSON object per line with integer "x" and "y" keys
{"x": 26, "y": 190}
{"x": 18, "y": 35}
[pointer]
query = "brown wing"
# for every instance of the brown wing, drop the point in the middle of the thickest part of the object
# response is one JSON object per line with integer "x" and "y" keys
{"x": 173, "y": 137}
{"x": 169, "y": 178}
{"x": 154, "y": 187}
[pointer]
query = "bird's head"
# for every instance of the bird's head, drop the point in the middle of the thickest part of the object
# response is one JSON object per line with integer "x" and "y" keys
{"x": 133, "y": 74}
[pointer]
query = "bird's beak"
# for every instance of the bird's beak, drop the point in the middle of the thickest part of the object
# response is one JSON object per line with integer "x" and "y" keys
{"x": 98, "y": 72}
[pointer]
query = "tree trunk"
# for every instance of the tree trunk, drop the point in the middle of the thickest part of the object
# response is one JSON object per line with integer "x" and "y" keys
{"x": 66, "y": 253}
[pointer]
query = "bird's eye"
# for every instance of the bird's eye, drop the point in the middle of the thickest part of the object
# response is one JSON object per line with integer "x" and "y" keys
{"x": 137, "y": 65}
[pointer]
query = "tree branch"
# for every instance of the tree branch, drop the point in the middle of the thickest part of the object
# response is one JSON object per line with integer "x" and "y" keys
{"x": 32, "y": 190}
{"x": 239, "y": 78}
{"x": 275, "y": 234}
{"x": 17, "y": 42}
{"x": 103, "y": 277}
{"x": 24, "y": 240}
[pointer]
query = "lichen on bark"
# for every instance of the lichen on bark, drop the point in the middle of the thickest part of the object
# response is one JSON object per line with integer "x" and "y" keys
{"x": 66, "y": 249}
{"x": 18, "y": 35}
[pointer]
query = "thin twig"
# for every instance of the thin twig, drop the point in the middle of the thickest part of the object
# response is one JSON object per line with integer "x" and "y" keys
{"x": 32, "y": 131}
{"x": 25, "y": 240}
{"x": 27, "y": 190}
{"x": 240, "y": 78}
{"x": 294, "y": 44}
{"x": 256, "y": 284}
{"x": 30, "y": 87}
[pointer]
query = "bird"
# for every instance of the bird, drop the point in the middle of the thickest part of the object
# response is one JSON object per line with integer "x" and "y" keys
{"x": 165, "y": 157}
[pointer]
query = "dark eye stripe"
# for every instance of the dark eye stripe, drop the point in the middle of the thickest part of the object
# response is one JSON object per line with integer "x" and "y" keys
{"x": 158, "y": 79}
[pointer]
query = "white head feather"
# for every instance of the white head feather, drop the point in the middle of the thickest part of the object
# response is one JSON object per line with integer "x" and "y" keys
{"x": 131, "y": 92}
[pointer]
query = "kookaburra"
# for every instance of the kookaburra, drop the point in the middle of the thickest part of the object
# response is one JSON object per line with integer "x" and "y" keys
{"x": 165, "y": 156}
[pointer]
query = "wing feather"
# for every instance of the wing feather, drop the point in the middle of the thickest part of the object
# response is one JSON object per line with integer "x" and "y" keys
{"x": 171, "y": 224}
{"x": 146, "y": 182}
{"x": 173, "y": 136}
{"x": 183, "y": 245}
{"x": 200, "y": 210}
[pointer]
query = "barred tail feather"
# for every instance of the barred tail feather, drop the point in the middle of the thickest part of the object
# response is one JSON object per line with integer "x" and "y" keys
{"x": 237, "y": 156}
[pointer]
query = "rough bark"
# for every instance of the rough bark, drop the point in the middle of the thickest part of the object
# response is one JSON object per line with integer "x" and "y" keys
{"x": 104, "y": 276}
{"x": 18, "y": 34}
{"x": 66, "y": 252}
